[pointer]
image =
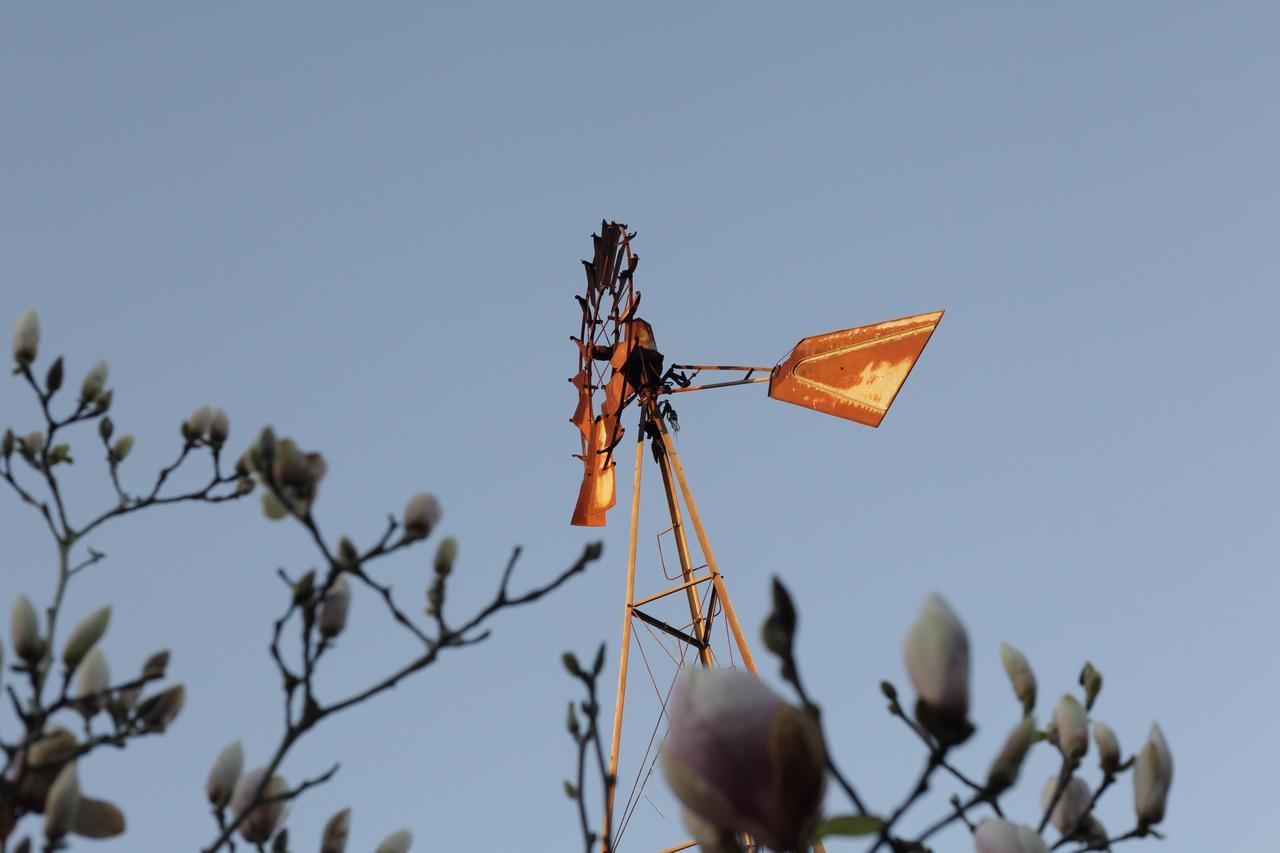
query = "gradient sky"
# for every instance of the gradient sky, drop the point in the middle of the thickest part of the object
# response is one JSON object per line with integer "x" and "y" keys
{"x": 362, "y": 224}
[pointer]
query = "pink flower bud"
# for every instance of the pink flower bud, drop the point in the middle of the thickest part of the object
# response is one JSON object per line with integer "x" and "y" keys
{"x": 1001, "y": 836}
{"x": 1152, "y": 776}
{"x": 740, "y": 759}
{"x": 1071, "y": 805}
{"x": 24, "y": 630}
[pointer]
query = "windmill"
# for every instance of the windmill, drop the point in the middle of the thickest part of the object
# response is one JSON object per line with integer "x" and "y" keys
{"x": 853, "y": 373}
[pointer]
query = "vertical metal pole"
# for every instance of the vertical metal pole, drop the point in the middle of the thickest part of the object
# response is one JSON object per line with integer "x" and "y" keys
{"x": 625, "y": 650}
{"x": 716, "y": 578}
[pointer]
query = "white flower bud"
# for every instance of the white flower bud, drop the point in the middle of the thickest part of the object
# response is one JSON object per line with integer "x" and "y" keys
{"x": 224, "y": 775}
{"x": 1108, "y": 747}
{"x": 1004, "y": 770}
{"x": 85, "y": 636}
{"x": 62, "y": 803}
{"x": 396, "y": 842}
{"x": 1020, "y": 676}
{"x": 1072, "y": 726}
{"x": 1071, "y": 805}
{"x": 421, "y": 515}
{"x": 122, "y": 448}
{"x": 93, "y": 676}
{"x": 336, "y": 830}
{"x": 333, "y": 610}
{"x": 95, "y": 381}
{"x": 198, "y": 424}
{"x": 34, "y": 442}
{"x": 1152, "y": 776}
{"x": 219, "y": 427}
{"x": 937, "y": 657}
{"x": 1000, "y": 836}
{"x": 26, "y": 338}
{"x": 24, "y": 630}
{"x": 446, "y": 555}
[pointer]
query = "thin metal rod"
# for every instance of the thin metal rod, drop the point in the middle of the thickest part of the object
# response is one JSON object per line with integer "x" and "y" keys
{"x": 667, "y": 629}
{"x": 667, "y": 592}
{"x": 719, "y": 367}
{"x": 674, "y": 460}
{"x": 716, "y": 385}
{"x": 682, "y": 549}
{"x": 624, "y": 651}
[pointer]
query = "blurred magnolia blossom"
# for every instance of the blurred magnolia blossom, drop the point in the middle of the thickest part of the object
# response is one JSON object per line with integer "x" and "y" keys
{"x": 1108, "y": 746}
{"x": 224, "y": 775}
{"x": 937, "y": 658}
{"x": 333, "y": 609}
{"x": 93, "y": 678}
{"x": 62, "y": 802}
{"x": 85, "y": 636}
{"x": 1020, "y": 676}
{"x": 336, "y": 830}
{"x": 1071, "y": 806}
{"x": 421, "y": 514}
{"x": 1004, "y": 770}
{"x": 219, "y": 427}
{"x": 95, "y": 382}
{"x": 26, "y": 338}
{"x": 1000, "y": 836}
{"x": 740, "y": 759}
{"x": 260, "y": 824}
{"x": 1152, "y": 777}
{"x": 397, "y": 842}
{"x": 24, "y": 630}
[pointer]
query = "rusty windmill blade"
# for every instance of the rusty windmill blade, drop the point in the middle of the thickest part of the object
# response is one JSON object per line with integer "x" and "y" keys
{"x": 854, "y": 373}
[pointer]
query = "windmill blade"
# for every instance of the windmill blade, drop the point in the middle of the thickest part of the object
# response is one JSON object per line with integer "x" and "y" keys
{"x": 854, "y": 373}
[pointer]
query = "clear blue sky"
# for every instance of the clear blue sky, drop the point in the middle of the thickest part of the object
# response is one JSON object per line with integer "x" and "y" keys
{"x": 362, "y": 224}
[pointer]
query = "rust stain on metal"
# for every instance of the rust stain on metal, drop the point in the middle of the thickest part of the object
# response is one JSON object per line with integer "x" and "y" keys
{"x": 854, "y": 373}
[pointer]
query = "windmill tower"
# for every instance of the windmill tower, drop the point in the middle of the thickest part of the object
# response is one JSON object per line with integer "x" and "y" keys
{"x": 853, "y": 373}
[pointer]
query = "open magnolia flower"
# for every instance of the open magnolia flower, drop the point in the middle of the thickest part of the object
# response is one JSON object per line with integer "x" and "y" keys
{"x": 1001, "y": 836}
{"x": 742, "y": 760}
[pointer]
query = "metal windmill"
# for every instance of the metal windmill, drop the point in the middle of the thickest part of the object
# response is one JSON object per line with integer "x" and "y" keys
{"x": 853, "y": 373}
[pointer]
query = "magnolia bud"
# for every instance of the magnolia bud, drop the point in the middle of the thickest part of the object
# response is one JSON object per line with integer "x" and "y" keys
{"x": 422, "y": 513}
{"x": 396, "y": 842}
{"x": 7, "y": 444}
{"x": 24, "y": 631}
{"x": 94, "y": 382}
{"x": 272, "y": 507}
{"x": 334, "y": 838}
{"x": 62, "y": 802}
{"x": 197, "y": 425}
{"x": 1152, "y": 776}
{"x": 1071, "y": 806}
{"x": 743, "y": 760}
{"x": 346, "y": 553}
{"x": 225, "y": 773}
{"x": 259, "y": 824}
{"x": 219, "y": 427}
{"x": 1108, "y": 747}
{"x": 33, "y": 443}
{"x": 937, "y": 657}
{"x": 1072, "y": 727}
{"x": 1000, "y": 836}
{"x": 85, "y": 636}
{"x": 1004, "y": 770}
{"x": 155, "y": 666}
{"x": 1091, "y": 681}
{"x": 1020, "y": 676}
{"x": 157, "y": 712}
{"x": 92, "y": 679}
{"x": 103, "y": 402}
{"x": 333, "y": 610}
{"x": 105, "y": 428}
{"x": 446, "y": 554}
{"x": 121, "y": 449}
{"x": 26, "y": 338}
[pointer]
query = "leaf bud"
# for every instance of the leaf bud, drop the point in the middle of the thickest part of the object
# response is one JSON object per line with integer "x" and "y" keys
{"x": 304, "y": 587}
{"x": 105, "y": 428}
{"x": 24, "y": 631}
{"x": 85, "y": 636}
{"x": 780, "y": 626}
{"x": 336, "y": 830}
{"x": 347, "y": 554}
{"x": 53, "y": 379}
{"x": 571, "y": 665}
{"x": 95, "y": 381}
{"x": 1091, "y": 681}
{"x": 159, "y": 711}
{"x": 435, "y": 596}
{"x": 281, "y": 842}
{"x": 226, "y": 771}
{"x": 421, "y": 514}
{"x": 7, "y": 443}
{"x": 155, "y": 666}
{"x": 26, "y": 338}
{"x": 446, "y": 555}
